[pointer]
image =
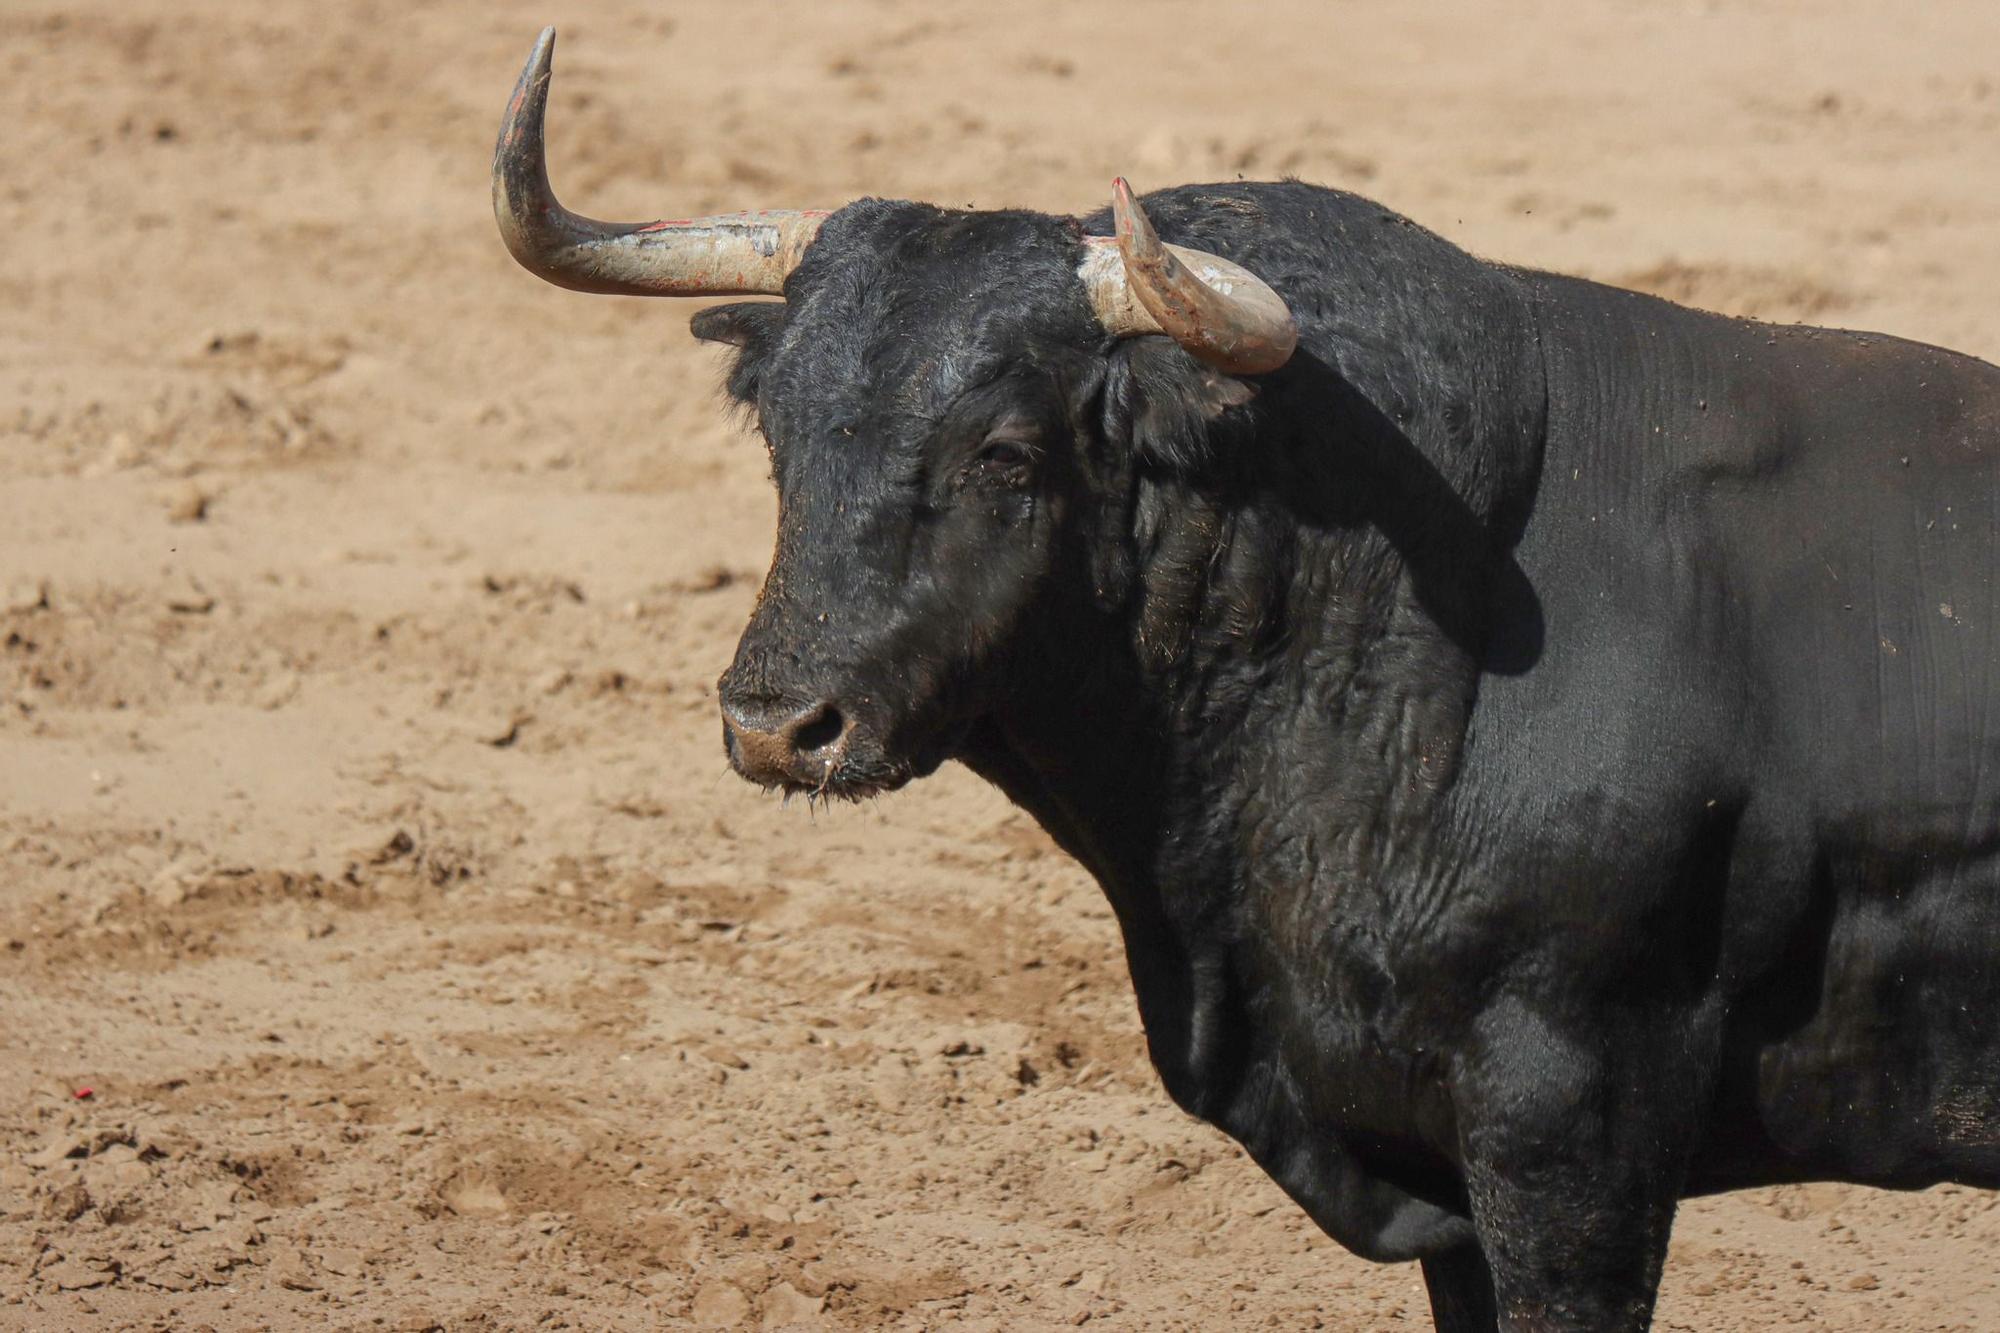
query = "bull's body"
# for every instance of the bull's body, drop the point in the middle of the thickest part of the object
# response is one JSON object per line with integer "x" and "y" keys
{"x": 1542, "y": 744}
{"x": 1577, "y": 757}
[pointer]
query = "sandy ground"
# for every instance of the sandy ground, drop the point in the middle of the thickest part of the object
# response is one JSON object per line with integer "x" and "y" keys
{"x": 366, "y": 846}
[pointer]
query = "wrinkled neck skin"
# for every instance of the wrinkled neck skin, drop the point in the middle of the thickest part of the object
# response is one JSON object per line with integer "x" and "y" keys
{"x": 1258, "y": 759}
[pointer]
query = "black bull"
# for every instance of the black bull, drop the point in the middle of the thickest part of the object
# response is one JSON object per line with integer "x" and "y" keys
{"x": 1541, "y": 744}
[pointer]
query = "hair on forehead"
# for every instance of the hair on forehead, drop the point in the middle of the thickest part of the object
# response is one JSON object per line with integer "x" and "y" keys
{"x": 900, "y": 307}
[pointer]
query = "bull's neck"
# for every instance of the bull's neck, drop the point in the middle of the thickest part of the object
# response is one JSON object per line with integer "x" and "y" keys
{"x": 1331, "y": 590}
{"x": 1264, "y": 653}
{"x": 1172, "y": 774}
{"x": 1296, "y": 667}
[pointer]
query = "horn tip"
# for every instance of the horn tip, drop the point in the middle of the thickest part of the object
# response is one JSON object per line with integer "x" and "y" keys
{"x": 1134, "y": 228}
{"x": 1122, "y": 207}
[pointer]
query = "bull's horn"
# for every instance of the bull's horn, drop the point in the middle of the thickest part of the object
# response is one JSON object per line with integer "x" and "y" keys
{"x": 1221, "y": 312}
{"x": 735, "y": 254}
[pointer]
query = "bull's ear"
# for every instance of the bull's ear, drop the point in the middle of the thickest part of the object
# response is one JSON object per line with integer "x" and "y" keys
{"x": 1167, "y": 404}
{"x": 750, "y": 326}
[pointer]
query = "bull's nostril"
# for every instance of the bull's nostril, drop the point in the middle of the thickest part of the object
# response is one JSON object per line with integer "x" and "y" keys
{"x": 820, "y": 730}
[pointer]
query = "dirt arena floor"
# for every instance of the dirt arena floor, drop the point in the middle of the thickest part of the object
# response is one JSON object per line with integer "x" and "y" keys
{"x": 383, "y": 941}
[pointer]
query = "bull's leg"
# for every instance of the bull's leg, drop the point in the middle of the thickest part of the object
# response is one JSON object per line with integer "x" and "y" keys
{"x": 1461, "y": 1288}
{"x": 1570, "y": 1256}
{"x": 1575, "y": 1148}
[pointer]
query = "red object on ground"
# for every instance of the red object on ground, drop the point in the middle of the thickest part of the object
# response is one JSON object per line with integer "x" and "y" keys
{"x": 85, "y": 1094}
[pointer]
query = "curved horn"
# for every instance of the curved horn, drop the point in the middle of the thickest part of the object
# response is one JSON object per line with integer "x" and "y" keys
{"x": 1221, "y": 312}
{"x": 735, "y": 254}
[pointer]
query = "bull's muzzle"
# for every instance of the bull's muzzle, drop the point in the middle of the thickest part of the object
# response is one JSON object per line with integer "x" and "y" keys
{"x": 778, "y": 743}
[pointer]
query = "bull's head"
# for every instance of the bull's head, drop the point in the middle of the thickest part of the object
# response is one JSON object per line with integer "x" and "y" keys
{"x": 955, "y": 404}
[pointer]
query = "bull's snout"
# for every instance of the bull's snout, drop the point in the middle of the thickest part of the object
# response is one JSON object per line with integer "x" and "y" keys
{"x": 777, "y": 742}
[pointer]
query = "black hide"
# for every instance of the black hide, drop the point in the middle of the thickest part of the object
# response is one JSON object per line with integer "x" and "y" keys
{"x": 1540, "y": 744}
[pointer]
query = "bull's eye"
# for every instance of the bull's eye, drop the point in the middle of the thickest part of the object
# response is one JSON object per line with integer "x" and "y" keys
{"x": 1002, "y": 463}
{"x": 1004, "y": 454}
